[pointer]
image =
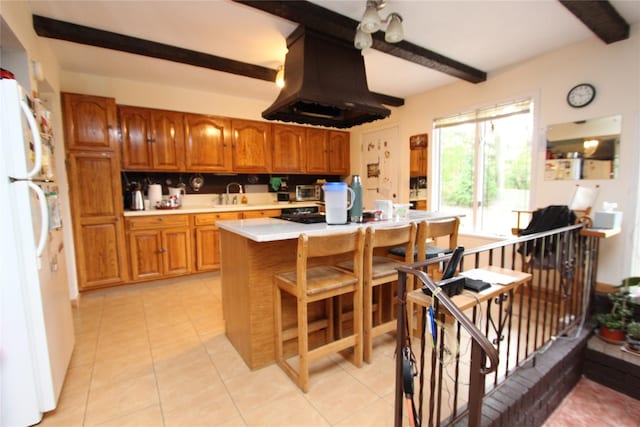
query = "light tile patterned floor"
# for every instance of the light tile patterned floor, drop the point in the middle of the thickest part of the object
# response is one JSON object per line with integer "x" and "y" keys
{"x": 155, "y": 355}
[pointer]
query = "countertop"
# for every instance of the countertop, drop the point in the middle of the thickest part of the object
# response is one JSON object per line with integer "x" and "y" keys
{"x": 272, "y": 229}
{"x": 194, "y": 209}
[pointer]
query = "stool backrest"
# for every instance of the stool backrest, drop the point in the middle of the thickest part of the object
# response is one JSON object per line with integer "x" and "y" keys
{"x": 404, "y": 235}
{"x": 327, "y": 245}
{"x": 435, "y": 229}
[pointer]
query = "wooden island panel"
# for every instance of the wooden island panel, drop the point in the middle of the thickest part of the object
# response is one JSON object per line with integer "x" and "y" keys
{"x": 247, "y": 269}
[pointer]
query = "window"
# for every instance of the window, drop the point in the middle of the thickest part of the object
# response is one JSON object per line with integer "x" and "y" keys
{"x": 483, "y": 165}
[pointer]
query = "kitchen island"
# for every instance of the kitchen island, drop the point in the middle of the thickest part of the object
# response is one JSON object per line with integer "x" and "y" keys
{"x": 251, "y": 252}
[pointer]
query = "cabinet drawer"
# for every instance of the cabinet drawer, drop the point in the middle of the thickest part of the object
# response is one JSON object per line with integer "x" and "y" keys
{"x": 157, "y": 221}
{"x": 211, "y": 218}
{"x": 266, "y": 213}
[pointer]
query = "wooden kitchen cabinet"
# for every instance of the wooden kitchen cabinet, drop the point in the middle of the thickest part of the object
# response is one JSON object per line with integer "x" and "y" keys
{"x": 251, "y": 146}
{"x": 287, "y": 149}
{"x": 159, "y": 246}
{"x": 96, "y": 206}
{"x": 327, "y": 152}
{"x": 207, "y": 239}
{"x": 151, "y": 139}
{"x": 418, "y": 153}
{"x": 207, "y": 143}
{"x": 89, "y": 122}
{"x": 95, "y": 189}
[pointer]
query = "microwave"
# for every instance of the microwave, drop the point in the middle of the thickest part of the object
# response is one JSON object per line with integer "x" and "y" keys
{"x": 306, "y": 193}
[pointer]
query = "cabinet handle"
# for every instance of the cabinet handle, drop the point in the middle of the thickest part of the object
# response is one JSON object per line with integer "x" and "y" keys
{"x": 160, "y": 218}
{"x": 162, "y": 250}
{"x": 151, "y": 140}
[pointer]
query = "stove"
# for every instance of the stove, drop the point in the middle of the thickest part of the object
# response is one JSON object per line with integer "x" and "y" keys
{"x": 306, "y": 215}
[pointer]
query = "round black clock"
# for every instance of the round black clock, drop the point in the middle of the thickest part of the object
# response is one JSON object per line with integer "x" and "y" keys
{"x": 581, "y": 95}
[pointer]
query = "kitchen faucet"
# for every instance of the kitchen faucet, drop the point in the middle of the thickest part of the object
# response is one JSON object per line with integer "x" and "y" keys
{"x": 235, "y": 199}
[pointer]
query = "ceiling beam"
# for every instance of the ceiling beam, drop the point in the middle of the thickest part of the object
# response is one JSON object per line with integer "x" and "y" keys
{"x": 61, "y": 30}
{"x": 601, "y": 18}
{"x": 324, "y": 20}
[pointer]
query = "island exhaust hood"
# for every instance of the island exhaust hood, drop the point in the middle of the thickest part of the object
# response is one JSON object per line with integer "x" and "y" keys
{"x": 325, "y": 84}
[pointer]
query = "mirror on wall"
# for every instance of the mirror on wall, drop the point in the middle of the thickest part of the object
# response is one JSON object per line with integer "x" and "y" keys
{"x": 586, "y": 149}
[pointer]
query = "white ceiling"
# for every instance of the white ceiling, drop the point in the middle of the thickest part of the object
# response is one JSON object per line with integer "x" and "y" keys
{"x": 486, "y": 35}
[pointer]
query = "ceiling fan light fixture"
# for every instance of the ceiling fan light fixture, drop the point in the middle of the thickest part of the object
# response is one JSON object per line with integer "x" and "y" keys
{"x": 370, "y": 22}
{"x": 394, "y": 32}
{"x": 363, "y": 39}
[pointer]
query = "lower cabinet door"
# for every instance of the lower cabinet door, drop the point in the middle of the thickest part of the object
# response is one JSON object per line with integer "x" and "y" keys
{"x": 100, "y": 254}
{"x": 176, "y": 254}
{"x": 207, "y": 253}
{"x": 145, "y": 251}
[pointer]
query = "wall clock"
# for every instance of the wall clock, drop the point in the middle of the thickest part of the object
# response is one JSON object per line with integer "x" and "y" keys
{"x": 581, "y": 95}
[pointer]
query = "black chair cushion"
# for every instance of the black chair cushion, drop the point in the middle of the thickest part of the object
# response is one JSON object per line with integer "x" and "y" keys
{"x": 432, "y": 251}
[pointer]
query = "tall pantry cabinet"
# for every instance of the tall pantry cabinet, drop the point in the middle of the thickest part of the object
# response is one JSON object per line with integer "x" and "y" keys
{"x": 93, "y": 170}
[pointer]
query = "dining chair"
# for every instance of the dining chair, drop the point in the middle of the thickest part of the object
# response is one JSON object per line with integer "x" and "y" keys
{"x": 315, "y": 279}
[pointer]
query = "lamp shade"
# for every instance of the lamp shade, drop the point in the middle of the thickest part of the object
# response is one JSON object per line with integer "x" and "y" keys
{"x": 394, "y": 31}
{"x": 363, "y": 40}
{"x": 370, "y": 20}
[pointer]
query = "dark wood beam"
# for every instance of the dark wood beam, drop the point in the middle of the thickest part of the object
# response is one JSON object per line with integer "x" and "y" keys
{"x": 388, "y": 99}
{"x": 601, "y": 18}
{"x": 342, "y": 27}
{"x": 52, "y": 28}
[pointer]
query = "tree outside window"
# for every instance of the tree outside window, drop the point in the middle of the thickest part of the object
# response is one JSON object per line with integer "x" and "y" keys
{"x": 484, "y": 165}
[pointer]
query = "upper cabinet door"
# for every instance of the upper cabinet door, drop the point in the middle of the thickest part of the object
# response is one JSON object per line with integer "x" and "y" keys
{"x": 167, "y": 140}
{"x": 339, "y": 156}
{"x": 89, "y": 122}
{"x": 251, "y": 146}
{"x": 317, "y": 150}
{"x": 208, "y": 143}
{"x": 287, "y": 149}
{"x": 136, "y": 138}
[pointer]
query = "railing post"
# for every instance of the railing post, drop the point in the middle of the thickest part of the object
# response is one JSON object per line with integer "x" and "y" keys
{"x": 476, "y": 384}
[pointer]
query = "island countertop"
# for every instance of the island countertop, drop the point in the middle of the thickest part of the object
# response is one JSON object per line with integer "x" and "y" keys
{"x": 273, "y": 229}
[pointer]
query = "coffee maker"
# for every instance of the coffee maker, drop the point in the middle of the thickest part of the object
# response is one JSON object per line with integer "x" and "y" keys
{"x": 133, "y": 197}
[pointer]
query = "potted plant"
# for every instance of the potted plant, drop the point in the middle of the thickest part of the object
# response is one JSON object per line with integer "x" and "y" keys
{"x": 612, "y": 324}
{"x": 633, "y": 335}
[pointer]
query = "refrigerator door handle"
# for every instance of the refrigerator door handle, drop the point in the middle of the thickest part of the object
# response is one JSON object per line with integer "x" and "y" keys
{"x": 37, "y": 141}
{"x": 44, "y": 217}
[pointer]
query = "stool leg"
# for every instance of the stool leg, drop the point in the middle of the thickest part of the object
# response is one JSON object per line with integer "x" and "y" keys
{"x": 330, "y": 332}
{"x": 357, "y": 327}
{"x": 367, "y": 315}
{"x": 303, "y": 346}
{"x": 278, "y": 323}
{"x": 339, "y": 317}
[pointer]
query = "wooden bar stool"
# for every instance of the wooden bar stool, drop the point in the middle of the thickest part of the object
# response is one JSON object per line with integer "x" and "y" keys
{"x": 380, "y": 269}
{"x": 430, "y": 236}
{"x": 429, "y": 245}
{"x": 316, "y": 279}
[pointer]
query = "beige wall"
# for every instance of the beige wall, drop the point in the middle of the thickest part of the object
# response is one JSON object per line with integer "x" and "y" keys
{"x": 615, "y": 72}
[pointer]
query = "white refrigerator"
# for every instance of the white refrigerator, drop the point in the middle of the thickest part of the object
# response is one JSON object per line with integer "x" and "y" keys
{"x": 36, "y": 325}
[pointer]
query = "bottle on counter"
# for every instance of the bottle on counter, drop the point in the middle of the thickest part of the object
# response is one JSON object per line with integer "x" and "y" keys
{"x": 356, "y": 205}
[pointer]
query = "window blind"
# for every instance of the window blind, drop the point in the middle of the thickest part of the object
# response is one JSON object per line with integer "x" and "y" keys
{"x": 495, "y": 112}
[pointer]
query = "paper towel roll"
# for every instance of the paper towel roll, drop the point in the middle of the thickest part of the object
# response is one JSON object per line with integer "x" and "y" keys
{"x": 154, "y": 194}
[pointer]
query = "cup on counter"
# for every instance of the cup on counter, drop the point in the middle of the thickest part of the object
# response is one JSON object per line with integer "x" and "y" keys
{"x": 147, "y": 204}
